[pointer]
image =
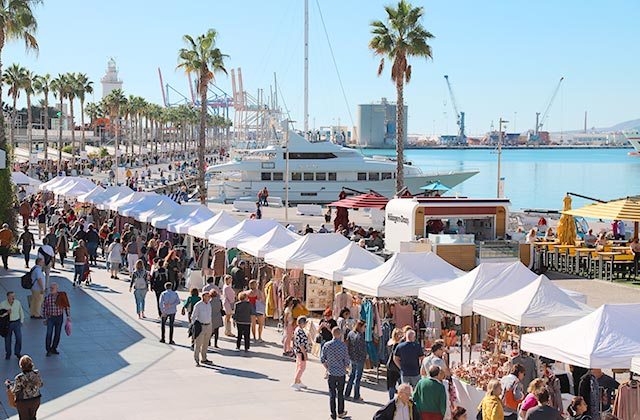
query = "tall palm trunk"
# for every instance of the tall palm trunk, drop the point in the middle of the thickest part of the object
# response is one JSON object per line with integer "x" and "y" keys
{"x": 82, "y": 144}
{"x": 29, "y": 125}
{"x": 73, "y": 136}
{"x": 3, "y": 140}
{"x": 12, "y": 131}
{"x": 46, "y": 131}
{"x": 202, "y": 140}
{"x": 60, "y": 134}
{"x": 400, "y": 133}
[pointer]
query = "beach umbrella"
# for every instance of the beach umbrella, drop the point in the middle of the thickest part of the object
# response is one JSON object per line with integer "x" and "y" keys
{"x": 621, "y": 209}
{"x": 435, "y": 186}
{"x": 362, "y": 201}
{"x": 567, "y": 224}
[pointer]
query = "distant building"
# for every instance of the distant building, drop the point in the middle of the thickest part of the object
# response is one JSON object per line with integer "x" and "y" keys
{"x": 376, "y": 125}
{"x": 110, "y": 80}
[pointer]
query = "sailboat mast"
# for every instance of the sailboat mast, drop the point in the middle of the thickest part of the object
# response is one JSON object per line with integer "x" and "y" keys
{"x": 306, "y": 66}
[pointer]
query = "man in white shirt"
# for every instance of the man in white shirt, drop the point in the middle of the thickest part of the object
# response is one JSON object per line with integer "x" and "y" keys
{"x": 169, "y": 301}
{"x": 202, "y": 314}
{"x": 38, "y": 288}
{"x": 48, "y": 255}
{"x": 436, "y": 358}
{"x": 16, "y": 318}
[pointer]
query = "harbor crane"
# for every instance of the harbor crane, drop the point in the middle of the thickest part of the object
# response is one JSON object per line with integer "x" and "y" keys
{"x": 462, "y": 137}
{"x": 541, "y": 120}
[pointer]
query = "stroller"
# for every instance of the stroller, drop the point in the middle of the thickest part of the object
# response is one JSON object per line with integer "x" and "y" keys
{"x": 86, "y": 274}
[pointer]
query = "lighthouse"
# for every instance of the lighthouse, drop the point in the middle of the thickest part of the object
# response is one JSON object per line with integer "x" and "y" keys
{"x": 110, "y": 80}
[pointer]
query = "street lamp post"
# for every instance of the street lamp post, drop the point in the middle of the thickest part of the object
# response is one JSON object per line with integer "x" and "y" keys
{"x": 286, "y": 170}
{"x": 500, "y": 154}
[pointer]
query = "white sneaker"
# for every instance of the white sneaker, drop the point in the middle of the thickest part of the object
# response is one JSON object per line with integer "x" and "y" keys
{"x": 303, "y": 386}
{"x": 296, "y": 387}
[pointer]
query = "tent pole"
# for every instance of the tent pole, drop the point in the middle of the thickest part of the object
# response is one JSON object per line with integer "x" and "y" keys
{"x": 471, "y": 339}
{"x": 636, "y": 225}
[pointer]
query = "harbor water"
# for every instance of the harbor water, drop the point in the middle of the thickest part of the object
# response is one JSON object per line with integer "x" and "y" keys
{"x": 535, "y": 178}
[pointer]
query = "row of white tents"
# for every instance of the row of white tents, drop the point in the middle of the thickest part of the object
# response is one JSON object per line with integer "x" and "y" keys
{"x": 504, "y": 292}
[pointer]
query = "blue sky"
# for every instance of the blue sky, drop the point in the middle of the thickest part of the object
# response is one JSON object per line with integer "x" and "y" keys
{"x": 503, "y": 57}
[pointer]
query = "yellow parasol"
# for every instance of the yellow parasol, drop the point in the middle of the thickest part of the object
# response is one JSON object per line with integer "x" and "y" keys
{"x": 623, "y": 209}
{"x": 567, "y": 224}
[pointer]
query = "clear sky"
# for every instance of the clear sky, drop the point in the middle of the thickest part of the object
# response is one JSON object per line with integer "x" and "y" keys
{"x": 503, "y": 58}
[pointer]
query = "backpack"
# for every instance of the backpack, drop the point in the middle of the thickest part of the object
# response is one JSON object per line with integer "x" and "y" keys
{"x": 46, "y": 257}
{"x": 26, "y": 281}
{"x": 140, "y": 279}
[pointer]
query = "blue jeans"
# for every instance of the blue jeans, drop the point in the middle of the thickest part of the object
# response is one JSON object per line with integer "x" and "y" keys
{"x": 336, "y": 391}
{"x": 78, "y": 272}
{"x": 139, "y": 294}
{"x": 411, "y": 380}
{"x": 53, "y": 323}
{"x": 15, "y": 328}
{"x": 354, "y": 380}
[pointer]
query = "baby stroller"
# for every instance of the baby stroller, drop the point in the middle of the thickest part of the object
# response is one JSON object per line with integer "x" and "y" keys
{"x": 86, "y": 274}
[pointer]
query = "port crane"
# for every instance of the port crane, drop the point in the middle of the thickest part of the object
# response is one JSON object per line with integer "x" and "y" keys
{"x": 541, "y": 120}
{"x": 462, "y": 137}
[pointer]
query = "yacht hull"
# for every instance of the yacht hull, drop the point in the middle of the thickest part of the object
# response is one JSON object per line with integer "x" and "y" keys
{"x": 313, "y": 192}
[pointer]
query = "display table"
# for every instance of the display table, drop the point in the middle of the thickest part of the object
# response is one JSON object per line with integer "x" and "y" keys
{"x": 469, "y": 396}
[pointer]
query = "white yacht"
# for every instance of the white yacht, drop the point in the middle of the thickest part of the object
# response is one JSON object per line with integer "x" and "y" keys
{"x": 634, "y": 139}
{"x": 318, "y": 172}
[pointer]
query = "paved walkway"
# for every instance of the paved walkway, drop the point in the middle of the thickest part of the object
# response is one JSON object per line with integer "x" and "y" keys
{"x": 112, "y": 366}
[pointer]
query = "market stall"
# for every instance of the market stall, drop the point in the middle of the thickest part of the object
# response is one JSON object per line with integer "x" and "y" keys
{"x": 402, "y": 275}
{"x": 538, "y": 304}
{"x": 119, "y": 200}
{"x": 607, "y": 338}
{"x": 199, "y": 213}
{"x": 114, "y": 193}
{"x": 163, "y": 206}
{"x": 310, "y": 247}
{"x": 219, "y": 223}
{"x": 347, "y": 261}
{"x": 134, "y": 208}
{"x": 72, "y": 187}
{"x": 635, "y": 365}
{"x": 88, "y": 197}
{"x": 169, "y": 214}
{"x": 244, "y": 231}
{"x": 276, "y": 238}
{"x": 30, "y": 184}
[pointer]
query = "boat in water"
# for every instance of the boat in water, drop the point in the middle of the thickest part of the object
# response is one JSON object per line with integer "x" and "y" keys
{"x": 634, "y": 139}
{"x": 318, "y": 172}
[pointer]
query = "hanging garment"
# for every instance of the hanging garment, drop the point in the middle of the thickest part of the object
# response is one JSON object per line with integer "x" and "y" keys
{"x": 218, "y": 262}
{"x": 340, "y": 301}
{"x": 366, "y": 314}
{"x": 627, "y": 404}
{"x": 269, "y": 295}
{"x": 403, "y": 316}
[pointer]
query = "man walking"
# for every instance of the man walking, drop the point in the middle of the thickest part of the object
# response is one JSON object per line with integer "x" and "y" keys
{"x": 430, "y": 396}
{"x": 335, "y": 359}
{"x": 202, "y": 314}
{"x": 169, "y": 301}
{"x": 27, "y": 240}
{"x": 38, "y": 286}
{"x": 54, "y": 315}
{"x": 6, "y": 237}
{"x": 408, "y": 356}
{"x": 16, "y": 318}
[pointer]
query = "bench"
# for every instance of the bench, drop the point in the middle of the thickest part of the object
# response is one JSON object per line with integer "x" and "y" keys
{"x": 244, "y": 206}
{"x": 309, "y": 210}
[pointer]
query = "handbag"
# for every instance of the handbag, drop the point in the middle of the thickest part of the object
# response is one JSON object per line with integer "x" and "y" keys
{"x": 67, "y": 327}
{"x": 11, "y": 398}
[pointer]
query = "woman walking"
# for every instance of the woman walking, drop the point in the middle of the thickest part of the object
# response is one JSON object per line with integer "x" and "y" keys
{"x": 62, "y": 245}
{"x": 301, "y": 349}
{"x": 491, "y": 405}
{"x": 191, "y": 302}
{"x": 26, "y": 389}
{"x": 242, "y": 316}
{"x": 114, "y": 257}
{"x": 358, "y": 354}
{"x": 216, "y": 315}
{"x": 228, "y": 300}
{"x": 93, "y": 241}
{"x": 140, "y": 284}
{"x": 393, "y": 370}
{"x": 288, "y": 326}
{"x": 258, "y": 305}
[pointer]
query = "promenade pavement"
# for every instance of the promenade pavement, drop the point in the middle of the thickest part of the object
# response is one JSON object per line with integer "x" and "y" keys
{"x": 112, "y": 365}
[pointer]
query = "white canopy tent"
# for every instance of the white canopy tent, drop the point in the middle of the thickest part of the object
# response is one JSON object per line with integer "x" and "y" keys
{"x": 348, "y": 261}
{"x": 220, "y": 222}
{"x": 276, "y": 238}
{"x": 198, "y": 213}
{"x": 539, "y": 304}
{"x": 111, "y": 193}
{"x": 53, "y": 181}
{"x": 310, "y": 247}
{"x": 402, "y": 275}
{"x": 168, "y": 214}
{"x": 607, "y": 338}
{"x": 635, "y": 365}
{"x": 244, "y": 231}
{"x": 133, "y": 209}
{"x": 115, "y": 204}
{"x": 96, "y": 192}
{"x": 456, "y": 296}
{"x": 74, "y": 188}
{"x": 164, "y": 206}
{"x": 20, "y": 178}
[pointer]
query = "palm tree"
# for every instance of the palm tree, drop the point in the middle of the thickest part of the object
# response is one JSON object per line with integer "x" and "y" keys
{"x": 401, "y": 36}
{"x": 92, "y": 109}
{"x": 202, "y": 58}
{"x": 27, "y": 85}
{"x": 42, "y": 85}
{"x": 84, "y": 86}
{"x": 59, "y": 86}
{"x": 115, "y": 103}
{"x": 16, "y": 22}
{"x": 72, "y": 91}
{"x": 14, "y": 76}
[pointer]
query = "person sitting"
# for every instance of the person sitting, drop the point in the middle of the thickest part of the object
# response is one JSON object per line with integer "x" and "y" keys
{"x": 590, "y": 239}
{"x": 549, "y": 236}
